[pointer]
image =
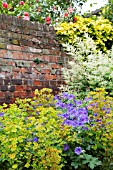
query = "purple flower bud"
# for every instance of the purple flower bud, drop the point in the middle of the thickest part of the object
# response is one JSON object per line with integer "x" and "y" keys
{"x": 95, "y": 114}
{"x": 78, "y": 150}
{"x": 66, "y": 147}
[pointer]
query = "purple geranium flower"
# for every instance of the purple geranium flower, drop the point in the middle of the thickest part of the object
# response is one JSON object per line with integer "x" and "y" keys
{"x": 85, "y": 128}
{"x": 66, "y": 147}
{"x": 78, "y": 150}
{"x": 65, "y": 95}
{"x": 58, "y": 103}
{"x": 79, "y": 102}
{"x": 87, "y": 99}
{"x": 95, "y": 114}
{"x": 56, "y": 97}
{"x": 1, "y": 114}
{"x": 71, "y": 97}
{"x": 35, "y": 139}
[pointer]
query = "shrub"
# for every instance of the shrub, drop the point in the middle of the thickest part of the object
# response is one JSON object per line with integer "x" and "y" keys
{"x": 99, "y": 29}
{"x": 31, "y": 134}
{"x": 88, "y": 68}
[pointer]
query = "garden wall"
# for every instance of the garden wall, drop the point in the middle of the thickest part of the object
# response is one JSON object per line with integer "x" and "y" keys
{"x": 20, "y": 43}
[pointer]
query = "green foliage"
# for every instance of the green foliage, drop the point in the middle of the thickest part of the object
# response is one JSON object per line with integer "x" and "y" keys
{"x": 107, "y": 11}
{"x": 31, "y": 134}
{"x": 88, "y": 68}
{"x": 99, "y": 29}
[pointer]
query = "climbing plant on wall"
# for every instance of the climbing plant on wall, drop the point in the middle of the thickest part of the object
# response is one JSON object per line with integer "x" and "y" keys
{"x": 39, "y": 10}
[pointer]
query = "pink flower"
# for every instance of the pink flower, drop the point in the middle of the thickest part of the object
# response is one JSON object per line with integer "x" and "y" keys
{"x": 74, "y": 19}
{"x": 26, "y": 14}
{"x": 39, "y": 9}
{"x": 66, "y": 14}
{"x": 26, "y": 18}
{"x": 21, "y": 3}
{"x": 70, "y": 9}
{"x": 54, "y": 8}
{"x": 48, "y": 20}
{"x": 19, "y": 16}
{"x": 5, "y": 5}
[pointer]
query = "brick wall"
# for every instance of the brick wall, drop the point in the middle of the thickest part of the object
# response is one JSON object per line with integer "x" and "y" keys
{"x": 20, "y": 43}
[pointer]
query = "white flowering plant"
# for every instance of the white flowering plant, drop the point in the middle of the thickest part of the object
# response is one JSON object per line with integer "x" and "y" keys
{"x": 88, "y": 69}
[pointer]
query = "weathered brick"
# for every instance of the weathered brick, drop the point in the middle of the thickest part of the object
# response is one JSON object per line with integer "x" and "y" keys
{"x": 2, "y": 94}
{"x": 11, "y": 88}
{"x": 16, "y": 82}
{"x": 20, "y": 94}
{"x": 37, "y": 83}
{"x": 17, "y": 55}
{"x": 13, "y": 47}
{"x": 4, "y": 100}
{"x": 7, "y": 82}
{"x": 8, "y": 95}
{"x": 4, "y": 88}
{"x": 50, "y": 77}
{"x": 2, "y": 45}
{"x": 1, "y": 81}
{"x": 19, "y": 88}
{"x": 46, "y": 71}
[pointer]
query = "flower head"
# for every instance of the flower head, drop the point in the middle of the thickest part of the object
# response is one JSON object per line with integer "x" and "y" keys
{"x": 78, "y": 150}
{"x": 70, "y": 9}
{"x": 26, "y": 14}
{"x": 48, "y": 20}
{"x": 35, "y": 139}
{"x": 21, "y": 3}
{"x": 5, "y": 5}
{"x": 26, "y": 18}
{"x": 19, "y": 16}
{"x": 66, "y": 147}
{"x": 1, "y": 114}
{"x": 74, "y": 19}
{"x": 66, "y": 14}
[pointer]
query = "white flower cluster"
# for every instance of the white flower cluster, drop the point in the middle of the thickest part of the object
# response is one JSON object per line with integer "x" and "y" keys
{"x": 89, "y": 68}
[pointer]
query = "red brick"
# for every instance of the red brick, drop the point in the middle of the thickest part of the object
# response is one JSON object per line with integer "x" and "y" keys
{"x": 54, "y": 59}
{"x": 2, "y": 94}
{"x": 50, "y": 77}
{"x": 11, "y": 63}
{"x": 20, "y": 94}
{"x": 37, "y": 83}
{"x": 13, "y": 47}
{"x": 17, "y": 55}
{"x": 55, "y": 66}
{"x": 23, "y": 70}
{"x": 19, "y": 88}
{"x": 45, "y": 71}
{"x": 55, "y": 52}
{"x": 47, "y": 58}
{"x": 2, "y": 53}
